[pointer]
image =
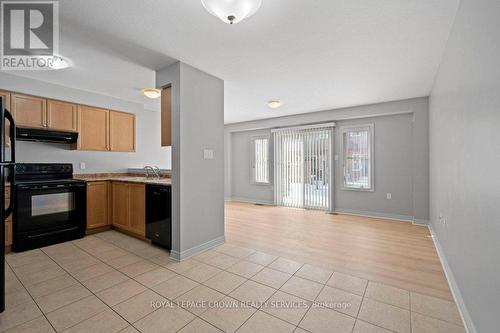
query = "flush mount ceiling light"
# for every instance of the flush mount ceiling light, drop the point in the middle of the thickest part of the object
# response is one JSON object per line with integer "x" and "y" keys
{"x": 274, "y": 104}
{"x": 232, "y": 11}
{"x": 58, "y": 62}
{"x": 151, "y": 92}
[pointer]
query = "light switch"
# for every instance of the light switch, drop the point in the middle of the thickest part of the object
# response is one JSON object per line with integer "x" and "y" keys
{"x": 82, "y": 166}
{"x": 208, "y": 154}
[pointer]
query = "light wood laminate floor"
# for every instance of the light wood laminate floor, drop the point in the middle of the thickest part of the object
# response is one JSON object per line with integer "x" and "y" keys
{"x": 396, "y": 253}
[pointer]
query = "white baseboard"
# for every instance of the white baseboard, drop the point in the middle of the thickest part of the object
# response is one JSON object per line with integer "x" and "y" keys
{"x": 455, "y": 291}
{"x": 253, "y": 201}
{"x": 179, "y": 256}
{"x": 405, "y": 218}
{"x": 421, "y": 222}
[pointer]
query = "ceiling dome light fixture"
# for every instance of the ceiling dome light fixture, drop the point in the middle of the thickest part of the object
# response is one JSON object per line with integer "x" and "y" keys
{"x": 58, "y": 62}
{"x": 151, "y": 92}
{"x": 274, "y": 104}
{"x": 232, "y": 11}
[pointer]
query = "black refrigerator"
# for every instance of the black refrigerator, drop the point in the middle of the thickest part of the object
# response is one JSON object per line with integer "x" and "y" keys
{"x": 6, "y": 175}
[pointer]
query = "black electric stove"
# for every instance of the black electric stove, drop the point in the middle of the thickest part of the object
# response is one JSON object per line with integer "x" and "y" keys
{"x": 49, "y": 205}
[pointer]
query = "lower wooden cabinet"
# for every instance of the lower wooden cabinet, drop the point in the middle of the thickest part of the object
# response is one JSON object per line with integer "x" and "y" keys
{"x": 129, "y": 207}
{"x": 8, "y": 233}
{"x": 120, "y": 201}
{"x": 137, "y": 208}
{"x": 98, "y": 204}
{"x": 8, "y": 221}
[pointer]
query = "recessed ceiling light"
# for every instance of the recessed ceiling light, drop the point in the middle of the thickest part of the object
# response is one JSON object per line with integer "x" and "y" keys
{"x": 232, "y": 11}
{"x": 58, "y": 62}
{"x": 274, "y": 104}
{"x": 151, "y": 92}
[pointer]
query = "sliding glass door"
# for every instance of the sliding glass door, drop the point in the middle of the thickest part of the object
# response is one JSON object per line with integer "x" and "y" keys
{"x": 302, "y": 167}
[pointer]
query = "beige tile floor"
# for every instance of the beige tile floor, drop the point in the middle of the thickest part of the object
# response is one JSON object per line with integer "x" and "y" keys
{"x": 110, "y": 282}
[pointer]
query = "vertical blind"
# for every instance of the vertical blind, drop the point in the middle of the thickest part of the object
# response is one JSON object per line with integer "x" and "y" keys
{"x": 302, "y": 167}
{"x": 261, "y": 160}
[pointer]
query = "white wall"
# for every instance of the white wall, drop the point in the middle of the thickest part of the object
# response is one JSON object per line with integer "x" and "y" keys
{"x": 401, "y": 158}
{"x": 197, "y": 183}
{"x": 465, "y": 160}
{"x": 148, "y": 144}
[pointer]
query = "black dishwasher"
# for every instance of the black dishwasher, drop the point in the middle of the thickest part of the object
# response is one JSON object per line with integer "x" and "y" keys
{"x": 159, "y": 215}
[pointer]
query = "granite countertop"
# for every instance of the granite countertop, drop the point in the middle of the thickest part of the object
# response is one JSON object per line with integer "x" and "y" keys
{"x": 131, "y": 178}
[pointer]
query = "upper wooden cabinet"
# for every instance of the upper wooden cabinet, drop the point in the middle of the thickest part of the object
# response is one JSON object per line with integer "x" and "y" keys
{"x": 166, "y": 117}
{"x": 121, "y": 131}
{"x": 6, "y": 96}
{"x": 98, "y": 129}
{"x": 61, "y": 115}
{"x": 97, "y": 204}
{"x": 93, "y": 128}
{"x": 29, "y": 111}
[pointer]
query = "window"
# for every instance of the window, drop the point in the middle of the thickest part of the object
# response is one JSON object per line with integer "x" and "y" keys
{"x": 260, "y": 169}
{"x": 357, "y": 145}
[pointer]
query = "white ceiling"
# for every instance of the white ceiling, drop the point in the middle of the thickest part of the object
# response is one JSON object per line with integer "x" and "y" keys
{"x": 312, "y": 55}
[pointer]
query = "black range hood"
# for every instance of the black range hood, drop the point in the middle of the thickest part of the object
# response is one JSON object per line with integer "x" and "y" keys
{"x": 43, "y": 135}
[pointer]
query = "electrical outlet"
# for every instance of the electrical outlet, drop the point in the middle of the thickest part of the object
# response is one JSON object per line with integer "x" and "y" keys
{"x": 208, "y": 154}
{"x": 442, "y": 219}
{"x": 82, "y": 166}
{"x": 389, "y": 196}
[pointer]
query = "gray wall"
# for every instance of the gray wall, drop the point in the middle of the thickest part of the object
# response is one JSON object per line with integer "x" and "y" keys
{"x": 148, "y": 144}
{"x": 465, "y": 159}
{"x": 197, "y": 183}
{"x": 393, "y": 151}
{"x": 241, "y": 169}
{"x": 401, "y": 158}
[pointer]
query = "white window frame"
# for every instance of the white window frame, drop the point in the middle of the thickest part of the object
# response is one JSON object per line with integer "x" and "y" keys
{"x": 352, "y": 128}
{"x": 252, "y": 159}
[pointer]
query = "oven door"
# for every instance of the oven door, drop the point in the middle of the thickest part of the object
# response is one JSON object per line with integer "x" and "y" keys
{"x": 42, "y": 209}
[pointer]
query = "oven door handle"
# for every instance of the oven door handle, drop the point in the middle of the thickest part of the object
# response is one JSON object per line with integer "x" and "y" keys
{"x": 50, "y": 187}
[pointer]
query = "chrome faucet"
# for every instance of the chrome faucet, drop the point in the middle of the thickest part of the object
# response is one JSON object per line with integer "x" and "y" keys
{"x": 155, "y": 170}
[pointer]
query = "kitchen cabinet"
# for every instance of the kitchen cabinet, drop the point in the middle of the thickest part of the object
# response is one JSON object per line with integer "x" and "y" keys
{"x": 166, "y": 117}
{"x": 93, "y": 128}
{"x": 6, "y": 97}
{"x": 8, "y": 233}
{"x": 137, "y": 208}
{"x": 98, "y": 204}
{"x": 121, "y": 131}
{"x": 61, "y": 116}
{"x": 98, "y": 129}
{"x": 8, "y": 221}
{"x": 120, "y": 195}
{"x": 128, "y": 207}
{"x": 29, "y": 111}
